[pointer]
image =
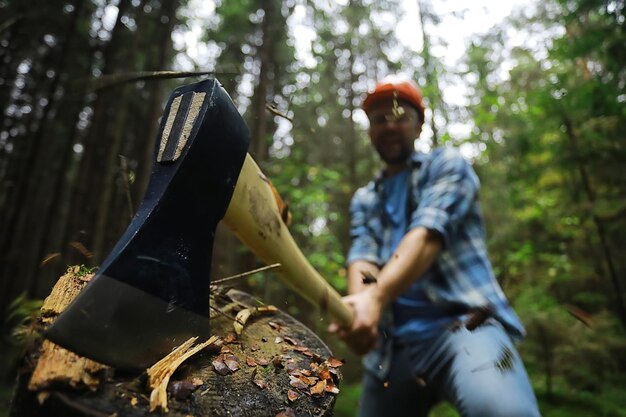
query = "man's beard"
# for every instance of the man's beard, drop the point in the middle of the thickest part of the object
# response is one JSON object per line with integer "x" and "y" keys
{"x": 394, "y": 156}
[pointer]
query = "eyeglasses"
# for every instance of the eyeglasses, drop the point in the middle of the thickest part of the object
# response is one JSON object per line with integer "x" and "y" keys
{"x": 378, "y": 120}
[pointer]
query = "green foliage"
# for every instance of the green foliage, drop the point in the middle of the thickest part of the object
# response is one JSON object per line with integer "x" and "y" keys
{"x": 551, "y": 166}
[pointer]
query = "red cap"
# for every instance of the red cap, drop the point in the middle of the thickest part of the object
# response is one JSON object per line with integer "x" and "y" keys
{"x": 406, "y": 90}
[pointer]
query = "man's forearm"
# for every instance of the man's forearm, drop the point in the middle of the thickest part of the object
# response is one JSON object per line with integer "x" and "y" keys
{"x": 415, "y": 254}
{"x": 355, "y": 275}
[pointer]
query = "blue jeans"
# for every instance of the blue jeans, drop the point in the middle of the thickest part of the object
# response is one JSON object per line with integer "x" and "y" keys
{"x": 480, "y": 373}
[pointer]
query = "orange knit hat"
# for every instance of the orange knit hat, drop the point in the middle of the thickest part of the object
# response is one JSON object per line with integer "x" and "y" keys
{"x": 404, "y": 90}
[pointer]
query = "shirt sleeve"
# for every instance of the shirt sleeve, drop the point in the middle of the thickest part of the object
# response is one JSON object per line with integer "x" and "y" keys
{"x": 449, "y": 192}
{"x": 364, "y": 243}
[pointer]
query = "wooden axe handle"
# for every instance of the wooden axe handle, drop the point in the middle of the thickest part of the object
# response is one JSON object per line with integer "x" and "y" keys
{"x": 253, "y": 215}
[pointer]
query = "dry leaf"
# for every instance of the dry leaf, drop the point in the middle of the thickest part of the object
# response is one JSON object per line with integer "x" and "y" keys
{"x": 278, "y": 340}
{"x": 319, "y": 388}
{"x": 332, "y": 388}
{"x": 297, "y": 382}
{"x": 250, "y": 361}
{"x": 292, "y": 395}
{"x": 181, "y": 389}
{"x": 324, "y": 374}
{"x": 231, "y": 362}
{"x": 287, "y": 412}
{"x": 134, "y": 401}
{"x": 220, "y": 367}
{"x": 230, "y": 338}
{"x": 335, "y": 363}
{"x": 262, "y": 361}
{"x": 275, "y": 326}
{"x": 291, "y": 367}
{"x": 291, "y": 340}
{"x": 309, "y": 380}
{"x": 277, "y": 361}
{"x": 258, "y": 381}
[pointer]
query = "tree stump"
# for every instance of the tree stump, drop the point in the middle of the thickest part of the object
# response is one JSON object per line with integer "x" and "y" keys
{"x": 274, "y": 367}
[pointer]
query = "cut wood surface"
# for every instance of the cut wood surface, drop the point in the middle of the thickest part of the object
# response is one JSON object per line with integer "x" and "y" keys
{"x": 276, "y": 365}
{"x": 58, "y": 366}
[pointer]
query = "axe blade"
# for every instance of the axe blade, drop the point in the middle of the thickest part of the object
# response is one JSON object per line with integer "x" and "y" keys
{"x": 152, "y": 291}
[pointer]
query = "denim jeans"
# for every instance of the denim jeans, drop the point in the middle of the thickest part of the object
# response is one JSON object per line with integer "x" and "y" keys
{"x": 479, "y": 372}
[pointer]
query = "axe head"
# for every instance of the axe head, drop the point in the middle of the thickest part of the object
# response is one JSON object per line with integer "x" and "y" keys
{"x": 152, "y": 291}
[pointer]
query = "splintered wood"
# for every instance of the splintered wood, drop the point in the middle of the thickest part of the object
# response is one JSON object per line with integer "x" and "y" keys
{"x": 57, "y": 365}
{"x": 159, "y": 374}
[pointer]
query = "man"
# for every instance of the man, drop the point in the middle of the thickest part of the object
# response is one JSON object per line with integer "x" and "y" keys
{"x": 428, "y": 311}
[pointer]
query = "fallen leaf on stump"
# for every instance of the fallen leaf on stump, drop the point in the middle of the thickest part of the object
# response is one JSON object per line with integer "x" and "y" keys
{"x": 287, "y": 412}
{"x": 220, "y": 367}
{"x": 292, "y": 395}
{"x": 291, "y": 340}
{"x": 275, "y": 326}
{"x": 331, "y": 388}
{"x": 319, "y": 388}
{"x": 335, "y": 363}
{"x": 181, "y": 389}
{"x": 297, "y": 382}
{"x": 231, "y": 362}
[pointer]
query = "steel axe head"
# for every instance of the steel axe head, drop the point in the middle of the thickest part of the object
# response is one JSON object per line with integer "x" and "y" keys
{"x": 152, "y": 292}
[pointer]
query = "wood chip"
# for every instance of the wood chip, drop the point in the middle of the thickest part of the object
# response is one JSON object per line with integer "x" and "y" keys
{"x": 267, "y": 309}
{"x": 240, "y": 320}
{"x": 159, "y": 374}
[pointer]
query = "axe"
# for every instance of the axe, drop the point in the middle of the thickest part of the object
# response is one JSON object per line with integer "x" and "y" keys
{"x": 151, "y": 293}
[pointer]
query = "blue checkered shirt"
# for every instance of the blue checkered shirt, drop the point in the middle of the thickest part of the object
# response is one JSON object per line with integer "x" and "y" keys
{"x": 442, "y": 196}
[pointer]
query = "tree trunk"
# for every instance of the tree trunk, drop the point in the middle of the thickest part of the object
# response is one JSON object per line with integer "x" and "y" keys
{"x": 606, "y": 250}
{"x": 89, "y": 185}
{"x": 24, "y": 236}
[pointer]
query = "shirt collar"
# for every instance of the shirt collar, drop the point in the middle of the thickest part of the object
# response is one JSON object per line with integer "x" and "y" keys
{"x": 414, "y": 161}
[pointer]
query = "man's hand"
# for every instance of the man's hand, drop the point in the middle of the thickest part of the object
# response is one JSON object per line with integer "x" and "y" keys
{"x": 361, "y": 337}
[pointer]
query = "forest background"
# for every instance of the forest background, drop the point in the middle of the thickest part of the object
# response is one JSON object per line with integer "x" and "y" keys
{"x": 542, "y": 118}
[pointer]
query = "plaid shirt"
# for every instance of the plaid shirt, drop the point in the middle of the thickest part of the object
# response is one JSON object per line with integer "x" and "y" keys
{"x": 443, "y": 196}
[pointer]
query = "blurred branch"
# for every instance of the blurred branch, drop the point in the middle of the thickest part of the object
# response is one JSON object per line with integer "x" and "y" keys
{"x": 111, "y": 80}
